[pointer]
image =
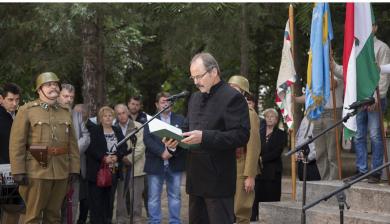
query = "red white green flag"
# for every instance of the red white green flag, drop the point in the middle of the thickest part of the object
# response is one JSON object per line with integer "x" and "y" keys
{"x": 361, "y": 74}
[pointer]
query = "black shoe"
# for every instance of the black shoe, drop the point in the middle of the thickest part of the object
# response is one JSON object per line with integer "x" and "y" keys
{"x": 374, "y": 179}
{"x": 354, "y": 177}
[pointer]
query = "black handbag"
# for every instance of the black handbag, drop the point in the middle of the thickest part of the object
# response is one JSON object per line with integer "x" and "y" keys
{"x": 312, "y": 171}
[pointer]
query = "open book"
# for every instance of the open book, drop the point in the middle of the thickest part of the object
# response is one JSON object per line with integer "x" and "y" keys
{"x": 162, "y": 129}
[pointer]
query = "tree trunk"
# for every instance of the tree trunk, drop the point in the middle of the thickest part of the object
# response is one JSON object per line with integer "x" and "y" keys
{"x": 94, "y": 89}
{"x": 244, "y": 42}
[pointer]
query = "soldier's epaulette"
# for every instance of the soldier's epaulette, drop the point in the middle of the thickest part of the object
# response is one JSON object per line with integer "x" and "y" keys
{"x": 30, "y": 104}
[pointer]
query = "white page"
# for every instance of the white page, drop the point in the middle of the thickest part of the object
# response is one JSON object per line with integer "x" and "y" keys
{"x": 157, "y": 124}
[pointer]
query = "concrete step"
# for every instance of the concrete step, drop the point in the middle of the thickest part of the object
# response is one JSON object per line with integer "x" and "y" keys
{"x": 348, "y": 164}
{"x": 362, "y": 197}
{"x": 290, "y": 213}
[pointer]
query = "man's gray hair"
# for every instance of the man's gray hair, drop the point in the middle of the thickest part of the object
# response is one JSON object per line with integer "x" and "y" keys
{"x": 208, "y": 60}
{"x": 121, "y": 105}
{"x": 68, "y": 87}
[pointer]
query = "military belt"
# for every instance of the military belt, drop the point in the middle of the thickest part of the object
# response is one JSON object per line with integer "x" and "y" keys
{"x": 56, "y": 151}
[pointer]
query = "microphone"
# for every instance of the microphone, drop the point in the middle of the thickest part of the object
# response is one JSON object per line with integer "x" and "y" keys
{"x": 361, "y": 103}
{"x": 179, "y": 95}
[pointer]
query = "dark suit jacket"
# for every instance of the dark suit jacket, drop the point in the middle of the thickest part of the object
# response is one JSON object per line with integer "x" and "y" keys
{"x": 223, "y": 117}
{"x": 5, "y": 130}
{"x": 154, "y": 147}
{"x": 98, "y": 149}
{"x": 271, "y": 153}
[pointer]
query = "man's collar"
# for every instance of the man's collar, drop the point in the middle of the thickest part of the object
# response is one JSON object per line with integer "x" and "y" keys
{"x": 213, "y": 89}
{"x": 125, "y": 125}
{"x": 46, "y": 106}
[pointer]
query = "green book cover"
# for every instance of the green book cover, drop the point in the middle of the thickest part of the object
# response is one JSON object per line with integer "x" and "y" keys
{"x": 162, "y": 129}
{"x": 168, "y": 134}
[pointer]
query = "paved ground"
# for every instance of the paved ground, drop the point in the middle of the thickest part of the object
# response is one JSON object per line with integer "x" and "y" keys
{"x": 286, "y": 195}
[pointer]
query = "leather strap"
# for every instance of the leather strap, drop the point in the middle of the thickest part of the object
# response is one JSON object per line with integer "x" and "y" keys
{"x": 57, "y": 151}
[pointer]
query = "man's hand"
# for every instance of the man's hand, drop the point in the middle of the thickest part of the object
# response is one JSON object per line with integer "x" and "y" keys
{"x": 170, "y": 143}
{"x": 126, "y": 161}
{"x": 249, "y": 184}
{"x": 373, "y": 106}
{"x": 192, "y": 137}
{"x": 166, "y": 155}
{"x": 73, "y": 177}
{"x": 21, "y": 179}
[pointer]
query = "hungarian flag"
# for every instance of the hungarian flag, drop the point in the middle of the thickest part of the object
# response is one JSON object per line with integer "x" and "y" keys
{"x": 318, "y": 81}
{"x": 286, "y": 78}
{"x": 360, "y": 72}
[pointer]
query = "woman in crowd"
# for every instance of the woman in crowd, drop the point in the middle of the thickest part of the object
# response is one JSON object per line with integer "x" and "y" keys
{"x": 102, "y": 148}
{"x": 269, "y": 183}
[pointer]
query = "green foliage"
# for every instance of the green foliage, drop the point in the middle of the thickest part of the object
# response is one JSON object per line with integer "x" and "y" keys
{"x": 148, "y": 46}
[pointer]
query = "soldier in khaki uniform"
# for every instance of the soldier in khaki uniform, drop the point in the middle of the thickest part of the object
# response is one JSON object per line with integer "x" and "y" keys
{"x": 43, "y": 152}
{"x": 247, "y": 160}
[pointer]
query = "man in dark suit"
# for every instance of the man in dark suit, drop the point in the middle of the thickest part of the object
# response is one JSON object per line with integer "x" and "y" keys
{"x": 10, "y": 96}
{"x": 218, "y": 120}
{"x": 164, "y": 164}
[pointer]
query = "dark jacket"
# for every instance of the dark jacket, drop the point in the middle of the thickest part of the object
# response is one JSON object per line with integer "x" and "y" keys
{"x": 271, "y": 153}
{"x": 154, "y": 147}
{"x": 141, "y": 117}
{"x": 5, "y": 130}
{"x": 223, "y": 117}
{"x": 98, "y": 149}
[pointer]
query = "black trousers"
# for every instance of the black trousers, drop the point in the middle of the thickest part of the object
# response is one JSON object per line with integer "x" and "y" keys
{"x": 211, "y": 210}
{"x": 99, "y": 204}
{"x": 266, "y": 190}
{"x": 83, "y": 197}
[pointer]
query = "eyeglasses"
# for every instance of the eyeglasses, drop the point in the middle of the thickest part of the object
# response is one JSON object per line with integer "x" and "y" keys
{"x": 199, "y": 77}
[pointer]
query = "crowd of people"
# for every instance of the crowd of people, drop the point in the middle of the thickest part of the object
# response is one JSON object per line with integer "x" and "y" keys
{"x": 58, "y": 153}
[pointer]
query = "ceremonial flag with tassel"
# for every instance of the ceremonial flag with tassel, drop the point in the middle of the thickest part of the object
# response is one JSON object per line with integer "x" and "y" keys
{"x": 318, "y": 81}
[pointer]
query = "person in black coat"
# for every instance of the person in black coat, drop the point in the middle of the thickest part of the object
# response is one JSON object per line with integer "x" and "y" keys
{"x": 269, "y": 183}
{"x": 10, "y": 96}
{"x": 101, "y": 149}
{"x": 218, "y": 120}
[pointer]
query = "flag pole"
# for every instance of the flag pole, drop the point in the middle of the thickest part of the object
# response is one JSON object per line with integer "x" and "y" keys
{"x": 292, "y": 131}
{"x": 383, "y": 133}
{"x": 335, "y": 118}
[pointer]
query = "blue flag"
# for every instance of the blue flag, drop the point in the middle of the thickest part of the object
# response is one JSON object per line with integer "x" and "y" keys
{"x": 318, "y": 79}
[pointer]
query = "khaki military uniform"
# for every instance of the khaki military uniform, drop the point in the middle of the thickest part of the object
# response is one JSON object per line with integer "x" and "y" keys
{"x": 247, "y": 166}
{"x": 38, "y": 123}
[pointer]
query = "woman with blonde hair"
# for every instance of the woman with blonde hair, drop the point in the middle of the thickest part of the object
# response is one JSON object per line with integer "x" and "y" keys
{"x": 102, "y": 149}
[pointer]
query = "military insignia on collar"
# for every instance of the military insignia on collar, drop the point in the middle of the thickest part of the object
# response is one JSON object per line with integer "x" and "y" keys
{"x": 44, "y": 105}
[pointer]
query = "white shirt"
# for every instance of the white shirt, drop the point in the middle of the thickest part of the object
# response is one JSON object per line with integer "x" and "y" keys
{"x": 382, "y": 56}
{"x": 124, "y": 128}
{"x": 385, "y": 68}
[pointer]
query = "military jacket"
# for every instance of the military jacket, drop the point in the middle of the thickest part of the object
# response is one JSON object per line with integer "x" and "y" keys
{"x": 248, "y": 164}
{"x": 38, "y": 123}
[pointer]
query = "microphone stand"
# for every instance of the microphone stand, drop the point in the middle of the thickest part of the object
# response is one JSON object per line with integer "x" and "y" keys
{"x": 340, "y": 190}
{"x": 131, "y": 135}
{"x": 133, "y": 140}
{"x": 304, "y": 147}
